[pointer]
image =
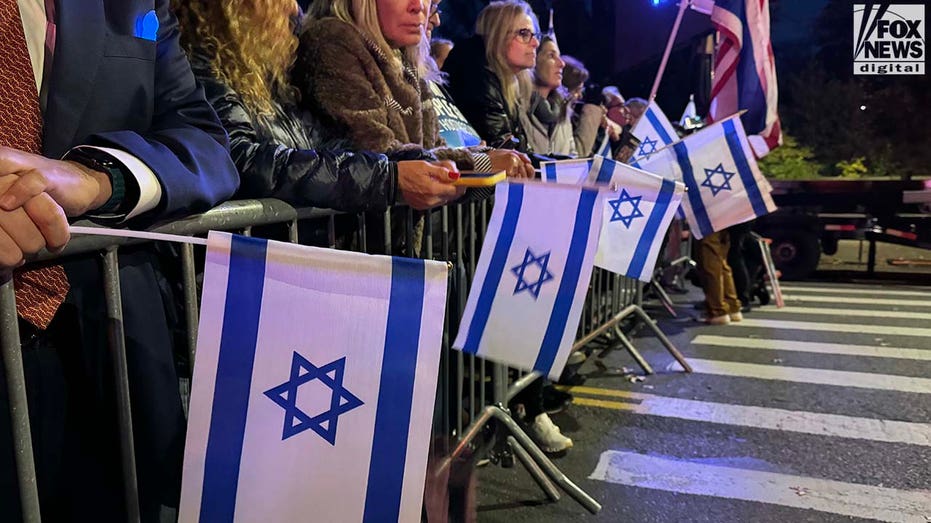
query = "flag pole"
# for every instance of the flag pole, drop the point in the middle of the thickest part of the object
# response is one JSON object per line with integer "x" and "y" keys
{"x": 683, "y": 4}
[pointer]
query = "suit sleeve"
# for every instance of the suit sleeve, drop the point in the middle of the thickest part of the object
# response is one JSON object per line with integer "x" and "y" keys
{"x": 344, "y": 181}
{"x": 185, "y": 146}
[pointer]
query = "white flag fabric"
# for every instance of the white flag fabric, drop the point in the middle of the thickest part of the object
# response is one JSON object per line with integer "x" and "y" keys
{"x": 565, "y": 171}
{"x": 725, "y": 186}
{"x": 636, "y": 216}
{"x": 654, "y": 131}
{"x": 314, "y": 384}
{"x": 605, "y": 148}
{"x": 532, "y": 276}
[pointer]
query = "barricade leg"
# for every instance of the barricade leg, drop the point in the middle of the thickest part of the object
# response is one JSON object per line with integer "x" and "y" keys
{"x": 535, "y": 472}
{"x": 770, "y": 270}
{"x": 188, "y": 272}
{"x": 19, "y": 407}
{"x": 664, "y": 298}
{"x": 111, "y": 278}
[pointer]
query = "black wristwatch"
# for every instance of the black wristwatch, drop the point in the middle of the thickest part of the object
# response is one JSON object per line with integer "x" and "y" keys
{"x": 123, "y": 184}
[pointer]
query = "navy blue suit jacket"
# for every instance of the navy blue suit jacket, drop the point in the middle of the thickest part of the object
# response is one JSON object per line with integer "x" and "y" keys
{"x": 108, "y": 87}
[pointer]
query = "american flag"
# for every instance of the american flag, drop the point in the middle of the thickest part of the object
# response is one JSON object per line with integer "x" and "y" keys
{"x": 745, "y": 71}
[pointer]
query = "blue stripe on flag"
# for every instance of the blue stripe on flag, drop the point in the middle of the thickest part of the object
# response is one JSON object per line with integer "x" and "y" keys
{"x": 499, "y": 258}
{"x": 694, "y": 193}
{"x": 570, "y": 281}
{"x": 606, "y": 171}
{"x": 743, "y": 167}
{"x": 395, "y": 391}
{"x": 654, "y": 121}
{"x": 550, "y": 171}
{"x": 244, "y": 287}
{"x": 651, "y": 229}
{"x": 635, "y": 163}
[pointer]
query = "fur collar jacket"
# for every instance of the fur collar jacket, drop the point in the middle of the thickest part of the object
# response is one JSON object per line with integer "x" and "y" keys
{"x": 363, "y": 97}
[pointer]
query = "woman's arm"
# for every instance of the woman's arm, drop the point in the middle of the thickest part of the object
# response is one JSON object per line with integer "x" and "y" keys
{"x": 342, "y": 180}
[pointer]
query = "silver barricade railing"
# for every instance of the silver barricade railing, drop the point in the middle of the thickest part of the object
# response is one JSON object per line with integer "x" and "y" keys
{"x": 471, "y": 391}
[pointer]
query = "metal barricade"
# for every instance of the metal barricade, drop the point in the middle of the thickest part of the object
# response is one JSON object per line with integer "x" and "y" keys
{"x": 471, "y": 392}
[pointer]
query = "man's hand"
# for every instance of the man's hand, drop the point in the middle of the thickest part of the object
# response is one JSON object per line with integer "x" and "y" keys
{"x": 424, "y": 184}
{"x": 515, "y": 164}
{"x": 38, "y": 223}
{"x": 75, "y": 188}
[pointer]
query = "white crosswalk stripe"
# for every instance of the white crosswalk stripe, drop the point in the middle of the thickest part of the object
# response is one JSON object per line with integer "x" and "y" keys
{"x": 895, "y": 302}
{"x": 858, "y": 313}
{"x": 804, "y": 422}
{"x": 808, "y": 346}
{"x": 855, "y": 291}
{"x": 840, "y": 378}
{"x": 852, "y": 328}
{"x": 706, "y": 479}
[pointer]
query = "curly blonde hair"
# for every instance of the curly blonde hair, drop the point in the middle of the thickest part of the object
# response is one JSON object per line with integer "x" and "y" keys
{"x": 251, "y": 45}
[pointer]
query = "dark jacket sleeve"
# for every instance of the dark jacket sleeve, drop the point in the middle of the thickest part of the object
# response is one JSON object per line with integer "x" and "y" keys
{"x": 340, "y": 180}
{"x": 478, "y": 95}
{"x": 185, "y": 145}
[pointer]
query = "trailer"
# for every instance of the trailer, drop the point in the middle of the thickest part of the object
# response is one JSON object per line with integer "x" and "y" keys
{"x": 814, "y": 215}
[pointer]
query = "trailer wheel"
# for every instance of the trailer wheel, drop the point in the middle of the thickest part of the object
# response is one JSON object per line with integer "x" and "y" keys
{"x": 796, "y": 254}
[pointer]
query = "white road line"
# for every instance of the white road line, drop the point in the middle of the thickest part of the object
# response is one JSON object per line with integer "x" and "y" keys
{"x": 896, "y": 302}
{"x": 819, "y": 424}
{"x": 848, "y": 328}
{"x": 860, "y": 313}
{"x": 839, "y": 378}
{"x": 856, "y": 290}
{"x": 836, "y": 497}
{"x": 807, "y": 346}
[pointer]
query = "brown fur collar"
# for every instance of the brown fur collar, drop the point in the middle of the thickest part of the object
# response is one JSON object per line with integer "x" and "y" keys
{"x": 350, "y": 82}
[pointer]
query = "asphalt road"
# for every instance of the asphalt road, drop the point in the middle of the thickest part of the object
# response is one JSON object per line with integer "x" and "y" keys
{"x": 820, "y": 411}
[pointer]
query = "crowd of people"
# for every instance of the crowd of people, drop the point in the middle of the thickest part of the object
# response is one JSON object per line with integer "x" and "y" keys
{"x": 130, "y": 117}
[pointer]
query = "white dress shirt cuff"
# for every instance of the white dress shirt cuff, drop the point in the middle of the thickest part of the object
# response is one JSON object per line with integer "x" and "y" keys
{"x": 150, "y": 190}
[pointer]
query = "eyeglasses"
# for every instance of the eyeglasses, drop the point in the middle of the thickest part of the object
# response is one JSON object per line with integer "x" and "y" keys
{"x": 526, "y": 35}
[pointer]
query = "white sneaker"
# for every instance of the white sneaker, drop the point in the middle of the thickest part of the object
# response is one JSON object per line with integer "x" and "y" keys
{"x": 576, "y": 358}
{"x": 736, "y": 316}
{"x": 547, "y": 435}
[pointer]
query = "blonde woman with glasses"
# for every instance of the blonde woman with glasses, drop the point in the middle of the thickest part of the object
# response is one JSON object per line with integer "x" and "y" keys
{"x": 486, "y": 72}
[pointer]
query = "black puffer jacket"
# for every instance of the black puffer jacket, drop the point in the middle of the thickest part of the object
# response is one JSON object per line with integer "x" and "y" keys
{"x": 275, "y": 156}
{"x": 478, "y": 95}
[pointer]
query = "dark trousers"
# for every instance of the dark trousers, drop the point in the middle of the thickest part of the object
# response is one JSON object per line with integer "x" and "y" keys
{"x": 72, "y": 403}
{"x": 737, "y": 259}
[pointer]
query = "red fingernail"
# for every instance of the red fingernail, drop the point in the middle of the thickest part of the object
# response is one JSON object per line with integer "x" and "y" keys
{"x": 454, "y": 175}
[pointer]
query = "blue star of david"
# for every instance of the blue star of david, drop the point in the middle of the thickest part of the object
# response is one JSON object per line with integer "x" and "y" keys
{"x": 545, "y": 275}
{"x": 635, "y": 208}
{"x": 296, "y": 420}
{"x": 647, "y": 142}
{"x": 724, "y": 186}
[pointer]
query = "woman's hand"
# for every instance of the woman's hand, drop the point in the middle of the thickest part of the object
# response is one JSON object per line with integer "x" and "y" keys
{"x": 428, "y": 184}
{"x": 513, "y": 163}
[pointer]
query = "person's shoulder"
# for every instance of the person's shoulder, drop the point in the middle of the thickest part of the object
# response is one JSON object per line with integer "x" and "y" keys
{"x": 330, "y": 30}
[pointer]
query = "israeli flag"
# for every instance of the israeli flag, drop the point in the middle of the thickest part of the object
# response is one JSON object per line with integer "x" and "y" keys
{"x": 605, "y": 148}
{"x": 725, "y": 186}
{"x": 532, "y": 276}
{"x": 635, "y": 218}
{"x": 572, "y": 172}
{"x": 314, "y": 384}
{"x": 654, "y": 131}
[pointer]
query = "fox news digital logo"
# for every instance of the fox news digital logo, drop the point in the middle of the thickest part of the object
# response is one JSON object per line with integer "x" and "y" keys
{"x": 890, "y": 39}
